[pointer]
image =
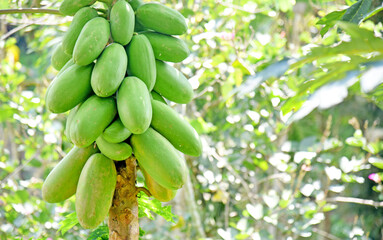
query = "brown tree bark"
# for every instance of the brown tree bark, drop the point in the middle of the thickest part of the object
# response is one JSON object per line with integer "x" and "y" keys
{"x": 123, "y": 215}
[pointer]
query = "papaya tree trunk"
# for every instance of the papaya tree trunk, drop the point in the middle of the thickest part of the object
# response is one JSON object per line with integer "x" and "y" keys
{"x": 123, "y": 215}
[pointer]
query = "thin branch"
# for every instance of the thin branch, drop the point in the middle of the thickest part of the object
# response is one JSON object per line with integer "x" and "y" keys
{"x": 325, "y": 234}
{"x": 356, "y": 200}
{"x": 30, "y": 10}
{"x": 8, "y": 34}
{"x": 19, "y": 168}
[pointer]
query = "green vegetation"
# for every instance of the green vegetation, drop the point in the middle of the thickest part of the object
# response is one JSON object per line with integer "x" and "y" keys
{"x": 288, "y": 101}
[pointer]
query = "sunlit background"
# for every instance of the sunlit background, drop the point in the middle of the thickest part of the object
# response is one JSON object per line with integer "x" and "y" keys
{"x": 287, "y": 104}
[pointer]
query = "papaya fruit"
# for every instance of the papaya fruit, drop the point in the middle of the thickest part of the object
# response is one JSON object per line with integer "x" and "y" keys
{"x": 91, "y": 119}
{"x": 61, "y": 182}
{"x": 66, "y": 66}
{"x": 122, "y": 22}
{"x": 138, "y": 26}
{"x": 79, "y": 20}
{"x": 157, "y": 156}
{"x": 109, "y": 70}
{"x": 144, "y": 64}
{"x": 69, "y": 88}
{"x": 135, "y": 4}
{"x": 172, "y": 84}
{"x": 161, "y": 18}
{"x": 175, "y": 129}
{"x": 92, "y": 40}
{"x": 95, "y": 190}
{"x": 116, "y": 132}
{"x": 115, "y": 151}
{"x": 133, "y": 103}
{"x": 167, "y": 48}
{"x": 69, "y": 121}
{"x": 159, "y": 192}
{"x": 156, "y": 96}
{"x": 59, "y": 58}
{"x": 70, "y": 7}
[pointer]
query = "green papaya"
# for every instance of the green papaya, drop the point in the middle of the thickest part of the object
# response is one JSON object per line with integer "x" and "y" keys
{"x": 69, "y": 121}
{"x": 95, "y": 190}
{"x": 161, "y": 18}
{"x": 59, "y": 58}
{"x": 133, "y": 103}
{"x": 69, "y": 88}
{"x": 116, "y": 132}
{"x": 135, "y": 4}
{"x": 61, "y": 182}
{"x": 156, "y": 96}
{"x": 109, "y": 70}
{"x": 122, "y": 22}
{"x": 92, "y": 40}
{"x": 66, "y": 66}
{"x": 144, "y": 64}
{"x": 167, "y": 48}
{"x": 116, "y": 151}
{"x": 175, "y": 129}
{"x": 138, "y": 26}
{"x": 79, "y": 20}
{"x": 159, "y": 192}
{"x": 172, "y": 84}
{"x": 157, "y": 156}
{"x": 91, "y": 119}
{"x": 70, "y": 7}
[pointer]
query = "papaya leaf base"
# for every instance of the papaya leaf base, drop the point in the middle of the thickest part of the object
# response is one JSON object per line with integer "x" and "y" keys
{"x": 123, "y": 215}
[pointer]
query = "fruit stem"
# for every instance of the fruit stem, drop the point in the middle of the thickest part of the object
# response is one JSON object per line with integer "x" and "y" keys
{"x": 123, "y": 215}
{"x": 30, "y": 10}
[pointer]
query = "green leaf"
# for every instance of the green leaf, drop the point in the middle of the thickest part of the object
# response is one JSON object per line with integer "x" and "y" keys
{"x": 329, "y": 20}
{"x": 329, "y": 207}
{"x": 147, "y": 205}
{"x": 373, "y": 13}
{"x": 100, "y": 233}
{"x": 68, "y": 223}
{"x": 275, "y": 70}
{"x": 362, "y": 41}
{"x": 357, "y": 12}
{"x": 376, "y": 162}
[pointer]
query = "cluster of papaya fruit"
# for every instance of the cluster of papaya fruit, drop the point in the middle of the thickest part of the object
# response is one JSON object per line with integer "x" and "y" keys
{"x": 113, "y": 77}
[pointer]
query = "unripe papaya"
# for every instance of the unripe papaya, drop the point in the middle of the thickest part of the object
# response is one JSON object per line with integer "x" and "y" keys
{"x": 69, "y": 121}
{"x": 143, "y": 64}
{"x": 69, "y": 88}
{"x": 174, "y": 128}
{"x": 115, "y": 151}
{"x": 156, "y": 96}
{"x": 109, "y": 70}
{"x": 122, "y": 22}
{"x": 95, "y": 190}
{"x": 172, "y": 84}
{"x": 70, "y": 7}
{"x": 159, "y": 192}
{"x": 66, "y": 66}
{"x": 61, "y": 182}
{"x": 79, "y": 20}
{"x": 135, "y": 4}
{"x": 133, "y": 103}
{"x": 59, "y": 58}
{"x": 161, "y": 18}
{"x": 167, "y": 48}
{"x": 157, "y": 156}
{"x": 138, "y": 26}
{"x": 92, "y": 40}
{"x": 93, "y": 116}
{"x": 116, "y": 132}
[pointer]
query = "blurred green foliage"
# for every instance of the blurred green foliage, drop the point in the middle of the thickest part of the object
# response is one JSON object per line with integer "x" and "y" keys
{"x": 288, "y": 104}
